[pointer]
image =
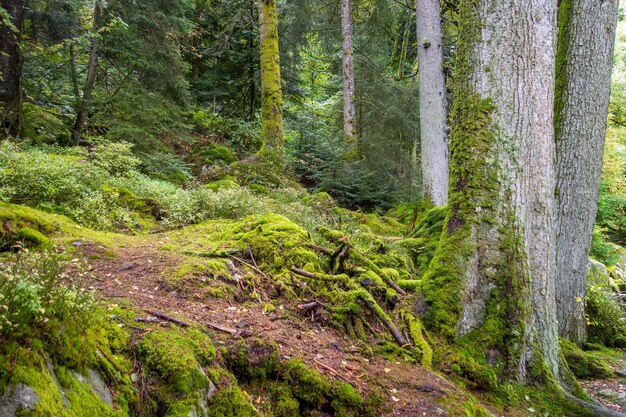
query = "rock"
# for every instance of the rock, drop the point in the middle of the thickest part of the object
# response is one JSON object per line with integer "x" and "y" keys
{"x": 17, "y": 398}
{"x": 598, "y": 274}
{"x": 97, "y": 384}
{"x": 50, "y": 366}
{"x": 607, "y": 393}
{"x": 621, "y": 373}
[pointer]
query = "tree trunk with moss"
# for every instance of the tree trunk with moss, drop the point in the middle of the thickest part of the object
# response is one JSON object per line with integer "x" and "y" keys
{"x": 584, "y": 64}
{"x": 11, "y": 66}
{"x": 490, "y": 286}
{"x": 433, "y": 114}
{"x": 349, "y": 107}
{"x": 271, "y": 91}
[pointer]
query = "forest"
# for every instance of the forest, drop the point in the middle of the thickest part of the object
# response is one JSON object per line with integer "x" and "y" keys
{"x": 284, "y": 208}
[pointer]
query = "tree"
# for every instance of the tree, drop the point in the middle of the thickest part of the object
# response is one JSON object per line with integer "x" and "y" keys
{"x": 271, "y": 91}
{"x": 349, "y": 108}
{"x": 583, "y": 85}
{"x": 11, "y": 60}
{"x": 83, "y": 105}
{"x": 433, "y": 113}
{"x": 490, "y": 286}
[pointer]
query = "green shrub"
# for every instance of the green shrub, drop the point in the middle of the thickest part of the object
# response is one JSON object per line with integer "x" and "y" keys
{"x": 40, "y": 296}
{"x": 165, "y": 166}
{"x": 115, "y": 158}
{"x": 605, "y": 316}
{"x": 601, "y": 249}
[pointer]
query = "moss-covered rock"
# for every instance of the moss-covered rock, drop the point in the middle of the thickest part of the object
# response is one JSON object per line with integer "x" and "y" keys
{"x": 222, "y": 184}
{"x": 217, "y": 153}
{"x": 584, "y": 365}
{"x": 177, "y": 356}
{"x": 22, "y": 225}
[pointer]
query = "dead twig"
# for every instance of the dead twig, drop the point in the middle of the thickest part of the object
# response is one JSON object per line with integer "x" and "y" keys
{"x": 221, "y": 328}
{"x": 236, "y": 276}
{"x": 167, "y": 318}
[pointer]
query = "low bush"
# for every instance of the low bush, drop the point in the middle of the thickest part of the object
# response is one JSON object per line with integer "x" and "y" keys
{"x": 605, "y": 318}
{"x": 42, "y": 296}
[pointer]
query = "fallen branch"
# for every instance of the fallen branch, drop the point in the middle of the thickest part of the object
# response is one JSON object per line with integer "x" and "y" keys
{"x": 308, "y": 306}
{"x": 321, "y": 249}
{"x": 221, "y": 328}
{"x": 233, "y": 271}
{"x": 167, "y": 318}
{"x": 372, "y": 266}
{"x": 256, "y": 268}
{"x": 333, "y": 372}
{"x": 392, "y": 329}
{"x": 303, "y": 273}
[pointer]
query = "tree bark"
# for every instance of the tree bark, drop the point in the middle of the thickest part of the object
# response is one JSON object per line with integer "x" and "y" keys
{"x": 11, "y": 68}
{"x": 432, "y": 92}
{"x": 583, "y": 84}
{"x": 84, "y": 104}
{"x": 491, "y": 283}
{"x": 349, "y": 107}
{"x": 271, "y": 92}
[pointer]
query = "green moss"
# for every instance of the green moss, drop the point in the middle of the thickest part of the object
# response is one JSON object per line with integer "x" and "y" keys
{"x": 584, "y": 365}
{"x": 32, "y": 236}
{"x": 285, "y": 405}
{"x": 321, "y": 201}
{"x": 231, "y": 401}
{"x": 177, "y": 357}
{"x": 21, "y": 224}
{"x": 403, "y": 213}
{"x": 222, "y": 184}
{"x": 252, "y": 359}
{"x": 259, "y": 189}
{"x": 217, "y": 153}
{"x": 347, "y": 401}
{"x": 306, "y": 384}
{"x": 387, "y": 226}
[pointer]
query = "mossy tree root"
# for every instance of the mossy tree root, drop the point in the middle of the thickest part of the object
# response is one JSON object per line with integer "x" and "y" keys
{"x": 416, "y": 332}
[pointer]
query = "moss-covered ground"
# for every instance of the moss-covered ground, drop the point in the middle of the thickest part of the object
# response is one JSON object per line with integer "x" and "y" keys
{"x": 286, "y": 320}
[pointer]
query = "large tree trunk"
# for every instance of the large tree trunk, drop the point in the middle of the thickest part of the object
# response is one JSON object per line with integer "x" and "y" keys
{"x": 271, "y": 92}
{"x": 84, "y": 105}
{"x": 433, "y": 115}
{"x": 584, "y": 64}
{"x": 349, "y": 108}
{"x": 11, "y": 68}
{"x": 490, "y": 286}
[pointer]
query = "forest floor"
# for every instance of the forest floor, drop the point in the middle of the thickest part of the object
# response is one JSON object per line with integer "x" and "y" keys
{"x": 136, "y": 273}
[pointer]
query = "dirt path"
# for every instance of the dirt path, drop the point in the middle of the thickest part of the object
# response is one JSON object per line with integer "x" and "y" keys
{"x": 139, "y": 275}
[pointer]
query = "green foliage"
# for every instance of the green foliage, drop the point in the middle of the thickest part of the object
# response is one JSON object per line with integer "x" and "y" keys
{"x": 601, "y": 249}
{"x": 40, "y": 296}
{"x": 115, "y": 158}
{"x": 605, "y": 318}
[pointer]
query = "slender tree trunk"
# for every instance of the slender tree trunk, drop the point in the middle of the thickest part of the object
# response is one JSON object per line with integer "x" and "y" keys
{"x": 84, "y": 105}
{"x": 349, "y": 107}
{"x": 11, "y": 68}
{"x": 404, "y": 51}
{"x": 584, "y": 65}
{"x": 433, "y": 113}
{"x": 491, "y": 283}
{"x": 271, "y": 92}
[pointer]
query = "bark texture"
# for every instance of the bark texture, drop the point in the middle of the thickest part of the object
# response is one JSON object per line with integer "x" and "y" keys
{"x": 584, "y": 64}
{"x": 433, "y": 114}
{"x": 271, "y": 91}
{"x": 11, "y": 68}
{"x": 490, "y": 286}
{"x": 84, "y": 105}
{"x": 349, "y": 108}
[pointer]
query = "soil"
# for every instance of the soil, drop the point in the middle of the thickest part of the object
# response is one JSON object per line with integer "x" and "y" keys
{"x": 139, "y": 274}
